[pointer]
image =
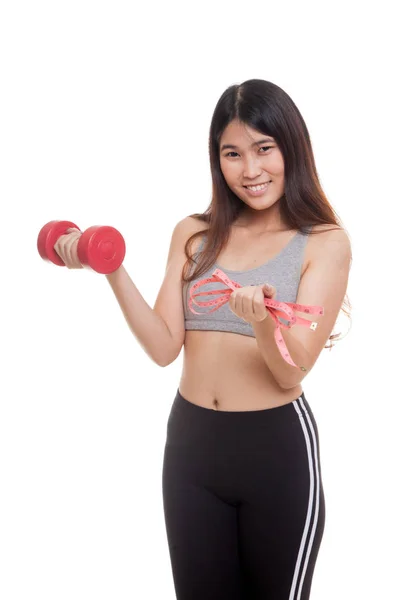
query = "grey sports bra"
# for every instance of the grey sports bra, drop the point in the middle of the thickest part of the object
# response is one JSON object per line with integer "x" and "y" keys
{"x": 282, "y": 271}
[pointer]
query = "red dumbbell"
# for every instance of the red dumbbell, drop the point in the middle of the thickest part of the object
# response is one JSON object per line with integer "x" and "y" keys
{"x": 99, "y": 248}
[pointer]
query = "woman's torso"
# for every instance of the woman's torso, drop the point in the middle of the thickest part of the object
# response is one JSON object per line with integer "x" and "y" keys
{"x": 224, "y": 370}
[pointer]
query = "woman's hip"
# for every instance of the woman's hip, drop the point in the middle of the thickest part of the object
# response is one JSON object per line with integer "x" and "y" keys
{"x": 288, "y": 428}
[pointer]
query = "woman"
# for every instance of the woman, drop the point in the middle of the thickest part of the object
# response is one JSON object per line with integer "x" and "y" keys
{"x": 242, "y": 487}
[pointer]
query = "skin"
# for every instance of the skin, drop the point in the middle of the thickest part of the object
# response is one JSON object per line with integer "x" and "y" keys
{"x": 66, "y": 248}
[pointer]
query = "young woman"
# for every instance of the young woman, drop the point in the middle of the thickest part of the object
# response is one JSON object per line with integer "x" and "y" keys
{"x": 242, "y": 487}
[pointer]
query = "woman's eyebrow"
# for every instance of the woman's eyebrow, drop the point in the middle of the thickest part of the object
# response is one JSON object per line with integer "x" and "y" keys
{"x": 225, "y": 146}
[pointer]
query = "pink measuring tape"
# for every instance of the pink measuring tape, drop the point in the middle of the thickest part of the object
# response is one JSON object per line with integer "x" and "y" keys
{"x": 275, "y": 308}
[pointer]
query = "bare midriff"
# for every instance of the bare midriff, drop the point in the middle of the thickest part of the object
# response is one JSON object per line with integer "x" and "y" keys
{"x": 225, "y": 371}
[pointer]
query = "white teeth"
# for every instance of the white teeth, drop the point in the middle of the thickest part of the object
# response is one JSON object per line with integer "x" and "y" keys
{"x": 257, "y": 188}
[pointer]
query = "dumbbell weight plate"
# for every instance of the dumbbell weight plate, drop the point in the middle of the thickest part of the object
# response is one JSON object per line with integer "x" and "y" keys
{"x": 102, "y": 248}
{"x": 48, "y": 236}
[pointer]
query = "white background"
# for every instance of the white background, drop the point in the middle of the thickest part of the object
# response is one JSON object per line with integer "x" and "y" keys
{"x": 105, "y": 111}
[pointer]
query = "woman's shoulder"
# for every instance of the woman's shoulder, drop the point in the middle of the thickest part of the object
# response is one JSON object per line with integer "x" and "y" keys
{"x": 328, "y": 231}
{"x": 192, "y": 225}
{"x": 196, "y": 222}
{"x": 327, "y": 238}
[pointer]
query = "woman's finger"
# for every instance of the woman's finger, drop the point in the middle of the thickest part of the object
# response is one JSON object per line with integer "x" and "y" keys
{"x": 260, "y": 308}
{"x": 268, "y": 290}
{"x": 247, "y": 306}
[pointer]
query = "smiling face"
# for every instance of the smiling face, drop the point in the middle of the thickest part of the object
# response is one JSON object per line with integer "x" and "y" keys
{"x": 253, "y": 166}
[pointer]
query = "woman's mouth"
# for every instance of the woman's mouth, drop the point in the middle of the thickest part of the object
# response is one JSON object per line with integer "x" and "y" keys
{"x": 257, "y": 190}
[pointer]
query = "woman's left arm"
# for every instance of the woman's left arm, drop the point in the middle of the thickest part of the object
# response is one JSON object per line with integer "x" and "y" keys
{"x": 324, "y": 283}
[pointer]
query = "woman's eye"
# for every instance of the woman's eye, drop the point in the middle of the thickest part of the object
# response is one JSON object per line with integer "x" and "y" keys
{"x": 261, "y": 148}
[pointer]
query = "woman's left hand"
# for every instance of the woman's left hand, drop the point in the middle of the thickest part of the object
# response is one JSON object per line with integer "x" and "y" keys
{"x": 248, "y": 302}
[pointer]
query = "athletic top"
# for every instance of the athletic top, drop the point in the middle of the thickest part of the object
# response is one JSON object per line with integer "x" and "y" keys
{"x": 282, "y": 271}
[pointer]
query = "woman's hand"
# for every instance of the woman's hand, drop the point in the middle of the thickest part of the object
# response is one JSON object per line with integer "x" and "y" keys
{"x": 67, "y": 248}
{"x": 248, "y": 302}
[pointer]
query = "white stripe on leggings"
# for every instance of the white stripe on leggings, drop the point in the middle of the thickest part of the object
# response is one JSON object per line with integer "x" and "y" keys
{"x": 310, "y": 501}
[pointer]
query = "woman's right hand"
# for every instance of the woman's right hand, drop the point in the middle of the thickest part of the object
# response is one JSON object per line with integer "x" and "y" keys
{"x": 67, "y": 248}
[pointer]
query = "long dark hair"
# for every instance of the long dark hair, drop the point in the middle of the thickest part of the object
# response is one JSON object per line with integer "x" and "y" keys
{"x": 265, "y": 107}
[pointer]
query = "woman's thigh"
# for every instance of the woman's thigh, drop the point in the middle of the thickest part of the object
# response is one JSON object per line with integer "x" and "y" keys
{"x": 201, "y": 530}
{"x": 281, "y": 524}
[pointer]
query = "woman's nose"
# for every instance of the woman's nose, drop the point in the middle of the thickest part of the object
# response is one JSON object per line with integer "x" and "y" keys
{"x": 252, "y": 168}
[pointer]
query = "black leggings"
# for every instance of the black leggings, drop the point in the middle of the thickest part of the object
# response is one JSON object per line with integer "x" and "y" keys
{"x": 243, "y": 501}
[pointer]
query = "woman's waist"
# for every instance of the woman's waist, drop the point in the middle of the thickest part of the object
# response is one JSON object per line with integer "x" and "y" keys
{"x": 230, "y": 375}
{"x": 205, "y": 430}
{"x": 234, "y": 393}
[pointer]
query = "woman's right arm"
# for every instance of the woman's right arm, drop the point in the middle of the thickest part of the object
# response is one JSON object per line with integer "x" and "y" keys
{"x": 160, "y": 330}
